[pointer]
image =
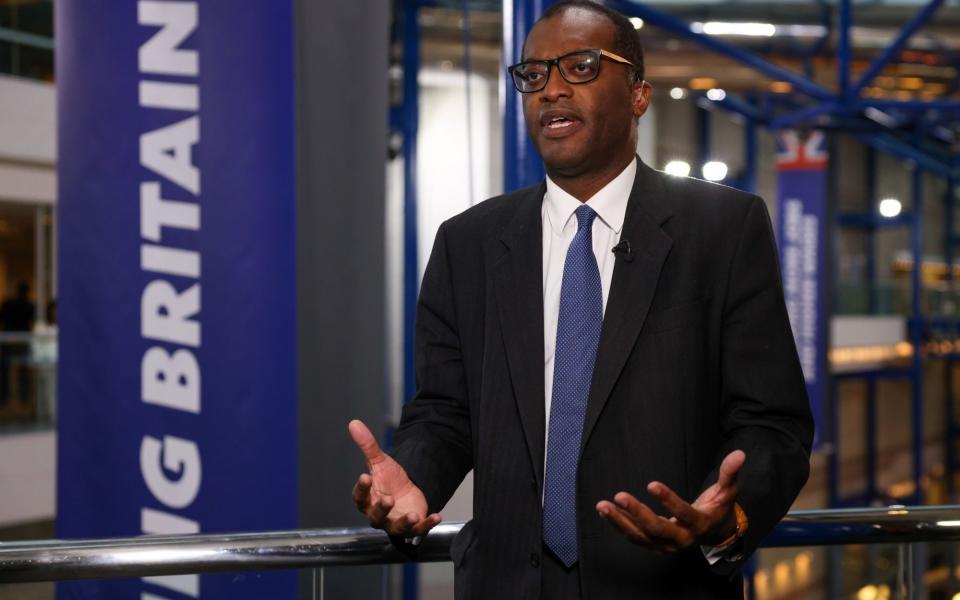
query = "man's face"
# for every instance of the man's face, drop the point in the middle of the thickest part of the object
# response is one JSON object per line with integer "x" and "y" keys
{"x": 579, "y": 128}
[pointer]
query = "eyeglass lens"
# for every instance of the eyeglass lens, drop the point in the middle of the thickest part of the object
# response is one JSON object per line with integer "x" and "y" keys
{"x": 579, "y": 67}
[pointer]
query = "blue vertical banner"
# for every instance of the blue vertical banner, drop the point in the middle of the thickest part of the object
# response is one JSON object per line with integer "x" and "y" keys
{"x": 178, "y": 384}
{"x": 802, "y": 162}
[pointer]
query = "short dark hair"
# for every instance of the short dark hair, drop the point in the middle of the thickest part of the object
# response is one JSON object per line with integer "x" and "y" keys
{"x": 626, "y": 39}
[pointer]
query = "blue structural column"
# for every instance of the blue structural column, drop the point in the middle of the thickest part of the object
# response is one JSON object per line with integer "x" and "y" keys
{"x": 749, "y": 180}
{"x": 871, "y": 279}
{"x": 521, "y": 163}
{"x": 843, "y": 48}
{"x": 703, "y": 140}
{"x": 411, "y": 122}
{"x": 951, "y": 425}
{"x": 411, "y": 119}
{"x": 918, "y": 327}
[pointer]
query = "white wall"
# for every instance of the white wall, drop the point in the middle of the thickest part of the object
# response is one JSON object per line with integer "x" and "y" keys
{"x": 443, "y": 168}
{"x": 27, "y": 477}
{"x": 28, "y": 151}
{"x": 28, "y": 141}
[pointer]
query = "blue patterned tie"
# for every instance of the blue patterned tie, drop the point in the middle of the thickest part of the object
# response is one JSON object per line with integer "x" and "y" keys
{"x": 578, "y": 333}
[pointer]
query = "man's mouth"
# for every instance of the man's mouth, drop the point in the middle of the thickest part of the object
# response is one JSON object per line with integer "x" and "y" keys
{"x": 559, "y": 123}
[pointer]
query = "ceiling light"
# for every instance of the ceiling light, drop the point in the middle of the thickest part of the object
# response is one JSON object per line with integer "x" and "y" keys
{"x": 802, "y": 30}
{"x": 911, "y": 83}
{"x": 678, "y": 93}
{"x": 715, "y": 170}
{"x": 890, "y": 207}
{"x": 781, "y": 87}
{"x": 868, "y": 592}
{"x": 678, "y": 168}
{"x": 702, "y": 83}
{"x": 716, "y": 94}
{"x": 637, "y": 22}
{"x": 725, "y": 28}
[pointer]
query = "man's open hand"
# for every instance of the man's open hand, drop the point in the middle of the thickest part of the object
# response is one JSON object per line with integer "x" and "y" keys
{"x": 386, "y": 495}
{"x": 708, "y": 521}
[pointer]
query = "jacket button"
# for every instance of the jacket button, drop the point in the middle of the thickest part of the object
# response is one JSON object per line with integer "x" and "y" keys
{"x": 534, "y": 560}
{"x": 533, "y": 484}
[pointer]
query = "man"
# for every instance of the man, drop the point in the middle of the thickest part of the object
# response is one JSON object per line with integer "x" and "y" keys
{"x": 608, "y": 351}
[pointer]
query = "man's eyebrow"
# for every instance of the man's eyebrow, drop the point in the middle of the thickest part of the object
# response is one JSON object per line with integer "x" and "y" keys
{"x": 525, "y": 58}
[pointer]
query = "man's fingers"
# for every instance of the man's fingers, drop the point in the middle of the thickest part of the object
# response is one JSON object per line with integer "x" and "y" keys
{"x": 426, "y": 524}
{"x": 377, "y": 514}
{"x": 665, "y": 534}
{"x": 677, "y": 506}
{"x": 646, "y": 519}
{"x": 361, "y": 491}
{"x": 366, "y": 442}
{"x": 622, "y": 521}
{"x": 730, "y": 468}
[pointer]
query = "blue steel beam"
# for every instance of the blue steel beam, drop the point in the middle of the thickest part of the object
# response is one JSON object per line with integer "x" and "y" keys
{"x": 843, "y": 50}
{"x": 799, "y": 117}
{"x": 521, "y": 163}
{"x": 674, "y": 25}
{"x": 916, "y": 22}
{"x": 736, "y": 104}
{"x": 900, "y": 149}
{"x": 915, "y": 105}
{"x": 871, "y": 220}
{"x": 820, "y": 44}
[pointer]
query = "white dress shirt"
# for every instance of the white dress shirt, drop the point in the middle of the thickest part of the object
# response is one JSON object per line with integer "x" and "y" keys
{"x": 559, "y": 227}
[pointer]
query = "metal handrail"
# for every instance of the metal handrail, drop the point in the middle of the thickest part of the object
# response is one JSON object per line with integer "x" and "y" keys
{"x": 25, "y": 38}
{"x": 55, "y": 560}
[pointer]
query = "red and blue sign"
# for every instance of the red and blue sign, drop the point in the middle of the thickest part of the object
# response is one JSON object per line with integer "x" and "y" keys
{"x": 801, "y": 236}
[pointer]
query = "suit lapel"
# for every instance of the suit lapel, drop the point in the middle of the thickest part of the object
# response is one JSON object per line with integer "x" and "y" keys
{"x": 632, "y": 288}
{"x": 518, "y": 284}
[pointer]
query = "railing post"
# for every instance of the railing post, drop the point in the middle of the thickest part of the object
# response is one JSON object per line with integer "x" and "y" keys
{"x": 905, "y": 571}
{"x": 317, "y": 583}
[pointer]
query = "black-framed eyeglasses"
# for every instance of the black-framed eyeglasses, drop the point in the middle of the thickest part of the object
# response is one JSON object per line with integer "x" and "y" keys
{"x": 581, "y": 66}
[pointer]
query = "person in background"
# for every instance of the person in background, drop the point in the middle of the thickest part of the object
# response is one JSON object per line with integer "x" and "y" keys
{"x": 17, "y": 315}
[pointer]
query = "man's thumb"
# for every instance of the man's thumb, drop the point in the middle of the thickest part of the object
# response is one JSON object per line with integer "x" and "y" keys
{"x": 364, "y": 439}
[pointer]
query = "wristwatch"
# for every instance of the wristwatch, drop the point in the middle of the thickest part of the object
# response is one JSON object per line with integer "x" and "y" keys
{"x": 742, "y": 524}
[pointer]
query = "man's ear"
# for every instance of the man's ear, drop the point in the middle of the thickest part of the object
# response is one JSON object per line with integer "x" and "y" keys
{"x": 640, "y": 97}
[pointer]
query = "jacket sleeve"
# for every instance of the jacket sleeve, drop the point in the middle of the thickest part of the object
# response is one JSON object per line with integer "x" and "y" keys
{"x": 433, "y": 440}
{"x": 764, "y": 407}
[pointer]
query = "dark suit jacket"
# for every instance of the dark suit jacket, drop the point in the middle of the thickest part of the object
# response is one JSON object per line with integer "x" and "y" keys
{"x": 696, "y": 359}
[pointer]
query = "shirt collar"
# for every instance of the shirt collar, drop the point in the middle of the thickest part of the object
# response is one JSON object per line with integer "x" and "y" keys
{"x": 610, "y": 203}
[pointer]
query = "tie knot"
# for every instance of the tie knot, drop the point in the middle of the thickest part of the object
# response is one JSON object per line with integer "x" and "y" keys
{"x": 585, "y": 216}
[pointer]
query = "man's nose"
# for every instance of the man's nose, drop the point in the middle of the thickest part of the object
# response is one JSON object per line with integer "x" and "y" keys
{"x": 556, "y": 87}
